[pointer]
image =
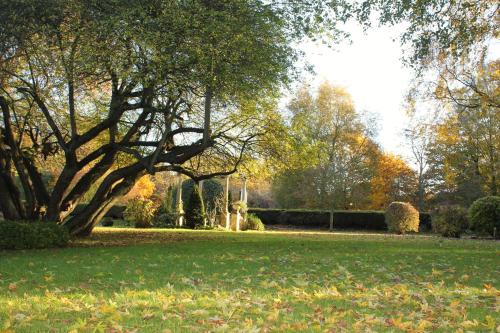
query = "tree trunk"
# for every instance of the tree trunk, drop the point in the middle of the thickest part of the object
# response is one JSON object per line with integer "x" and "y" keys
{"x": 115, "y": 185}
{"x": 7, "y": 202}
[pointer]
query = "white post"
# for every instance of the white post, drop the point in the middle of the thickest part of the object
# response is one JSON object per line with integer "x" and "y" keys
{"x": 238, "y": 220}
{"x": 200, "y": 186}
{"x": 331, "y": 219}
{"x": 225, "y": 211}
{"x": 179, "y": 209}
{"x": 245, "y": 193}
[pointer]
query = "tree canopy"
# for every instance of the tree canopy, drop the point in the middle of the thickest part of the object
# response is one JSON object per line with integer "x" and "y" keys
{"x": 109, "y": 91}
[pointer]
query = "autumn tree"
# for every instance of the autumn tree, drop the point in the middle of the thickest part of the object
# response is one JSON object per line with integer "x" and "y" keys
{"x": 331, "y": 149}
{"x": 465, "y": 145}
{"x": 393, "y": 181}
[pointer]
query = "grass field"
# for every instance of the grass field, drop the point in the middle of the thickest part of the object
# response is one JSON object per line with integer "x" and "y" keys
{"x": 127, "y": 280}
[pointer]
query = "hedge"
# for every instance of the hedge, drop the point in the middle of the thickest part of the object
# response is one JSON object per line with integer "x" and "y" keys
{"x": 342, "y": 219}
{"x": 17, "y": 235}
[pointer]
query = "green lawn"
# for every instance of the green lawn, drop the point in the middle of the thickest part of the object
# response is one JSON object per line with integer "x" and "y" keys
{"x": 125, "y": 280}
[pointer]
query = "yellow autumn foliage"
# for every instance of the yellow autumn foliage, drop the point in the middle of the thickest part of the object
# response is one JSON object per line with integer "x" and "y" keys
{"x": 143, "y": 188}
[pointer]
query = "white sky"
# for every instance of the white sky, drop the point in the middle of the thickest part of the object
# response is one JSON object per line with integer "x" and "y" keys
{"x": 372, "y": 71}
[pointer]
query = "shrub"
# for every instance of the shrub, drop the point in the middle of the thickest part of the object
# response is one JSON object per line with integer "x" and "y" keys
{"x": 401, "y": 217}
{"x": 450, "y": 221}
{"x": 254, "y": 223}
{"x": 32, "y": 235}
{"x": 107, "y": 222}
{"x": 165, "y": 215}
{"x": 484, "y": 215}
{"x": 140, "y": 211}
{"x": 194, "y": 211}
{"x": 211, "y": 191}
{"x": 164, "y": 218}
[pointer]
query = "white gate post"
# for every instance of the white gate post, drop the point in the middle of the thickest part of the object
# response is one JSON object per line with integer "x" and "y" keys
{"x": 179, "y": 209}
{"x": 226, "y": 218}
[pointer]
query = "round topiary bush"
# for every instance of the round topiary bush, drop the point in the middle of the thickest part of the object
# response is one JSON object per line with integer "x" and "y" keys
{"x": 450, "y": 221}
{"x": 484, "y": 215}
{"x": 401, "y": 217}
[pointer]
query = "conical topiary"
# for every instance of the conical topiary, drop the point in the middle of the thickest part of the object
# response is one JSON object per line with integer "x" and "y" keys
{"x": 194, "y": 211}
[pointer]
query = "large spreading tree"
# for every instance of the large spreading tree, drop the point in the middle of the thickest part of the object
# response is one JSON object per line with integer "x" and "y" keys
{"x": 109, "y": 91}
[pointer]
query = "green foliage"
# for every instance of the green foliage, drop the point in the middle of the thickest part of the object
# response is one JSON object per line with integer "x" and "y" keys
{"x": 450, "y": 221}
{"x": 164, "y": 219}
{"x": 32, "y": 235}
{"x": 194, "y": 210}
{"x": 484, "y": 215}
{"x": 254, "y": 223}
{"x": 238, "y": 206}
{"x": 141, "y": 212}
{"x": 165, "y": 216}
{"x": 402, "y": 217}
{"x": 212, "y": 190}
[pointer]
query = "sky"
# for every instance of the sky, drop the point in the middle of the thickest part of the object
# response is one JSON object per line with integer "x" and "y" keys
{"x": 371, "y": 69}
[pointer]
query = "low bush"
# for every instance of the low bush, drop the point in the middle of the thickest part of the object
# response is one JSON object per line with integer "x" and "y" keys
{"x": 165, "y": 215}
{"x": 107, "y": 222}
{"x": 140, "y": 211}
{"x": 16, "y": 235}
{"x": 402, "y": 217}
{"x": 254, "y": 223}
{"x": 450, "y": 221}
{"x": 484, "y": 215}
{"x": 163, "y": 219}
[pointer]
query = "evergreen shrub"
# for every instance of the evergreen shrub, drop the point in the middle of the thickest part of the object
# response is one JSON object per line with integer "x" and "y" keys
{"x": 484, "y": 215}
{"x": 194, "y": 209}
